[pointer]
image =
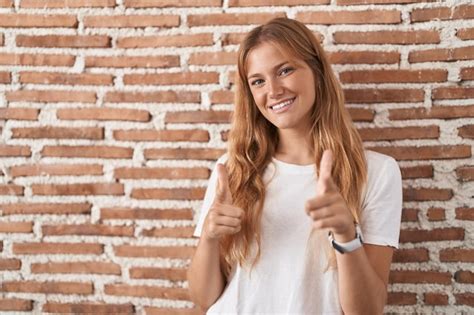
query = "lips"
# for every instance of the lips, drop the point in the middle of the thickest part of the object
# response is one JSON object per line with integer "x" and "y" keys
{"x": 282, "y": 106}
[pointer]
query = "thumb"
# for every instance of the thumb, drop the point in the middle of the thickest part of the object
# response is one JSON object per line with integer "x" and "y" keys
{"x": 325, "y": 183}
{"x": 223, "y": 191}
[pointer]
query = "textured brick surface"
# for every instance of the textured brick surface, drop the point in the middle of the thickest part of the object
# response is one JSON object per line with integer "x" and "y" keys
{"x": 112, "y": 114}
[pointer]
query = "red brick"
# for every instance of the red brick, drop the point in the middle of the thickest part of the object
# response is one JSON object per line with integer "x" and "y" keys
{"x": 6, "y": 3}
{"x": 51, "y": 96}
{"x": 464, "y": 276}
{"x": 153, "y": 97}
{"x": 411, "y": 255}
{"x": 350, "y": 17}
{"x": 78, "y": 189}
{"x": 465, "y": 214}
{"x": 464, "y": 298}
{"x": 172, "y": 274}
{"x": 147, "y": 291}
{"x": 145, "y": 214}
{"x": 183, "y": 154}
{"x": 5, "y": 77}
{"x": 427, "y": 194}
{"x": 19, "y": 113}
{"x": 50, "y": 4}
{"x": 465, "y": 33}
{"x": 132, "y": 62}
{"x": 441, "y": 54}
{"x": 104, "y": 114}
{"x": 443, "y": 13}
{"x": 449, "y": 93}
{"x": 401, "y": 298}
{"x": 168, "y": 193}
{"x": 87, "y": 229}
{"x": 171, "y": 3}
{"x": 434, "y": 235}
{"x": 64, "y": 41}
{"x": 104, "y": 152}
{"x": 409, "y": 215}
{"x": 419, "y": 171}
{"x": 9, "y": 264}
{"x": 261, "y": 3}
{"x": 187, "y": 40}
{"x": 46, "y": 208}
{"x": 37, "y": 60}
{"x": 220, "y": 58}
{"x": 393, "y": 76}
{"x": 172, "y": 78}
{"x": 426, "y": 152}
{"x": 174, "y": 232}
{"x": 161, "y": 173}
{"x": 16, "y": 227}
{"x": 231, "y": 18}
{"x": 58, "y": 133}
{"x": 232, "y": 38}
{"x": 38, "y": 248}
{"x": 364, "y": 57}
{"x": 88, "y": 308}
{"x": 411, "y": 276}
{"x": 466, "y": 131}
{"x": 11, "y": 189}
{"x": 66, "y": 78}
{"x": 466, "y": 74}
{"x": 154, "y": 251}
{"x": 436, "y": 214}
{"x": 37, "y": 20}
{"x": 387, "y": 37}
{"x": 162, "y": 135}
{"x": 48, "y": 287}
{"x": 14, "y": 150}
{"x": 222, "y": 97}
{"x": 433, "y": 298}
{"x": 397, "y": 133}
{"x": 361, "y": 114}
{"x": 56, "y": 170}
{"x": 440, "y": 112}
{"x": 15, "y": 305}
{"x": 135, "y": 21}
{"x": 465, "y": 173}
{"x": 201, "y": 116}
{"x": 456, "y": 255}
{"x": 352, "y": 2}
{"x": 379, "y": 95}
{"x": 83, "y": 267}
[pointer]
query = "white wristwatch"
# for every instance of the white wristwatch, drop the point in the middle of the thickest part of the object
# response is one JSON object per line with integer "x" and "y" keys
{"x": 349, "y": 246}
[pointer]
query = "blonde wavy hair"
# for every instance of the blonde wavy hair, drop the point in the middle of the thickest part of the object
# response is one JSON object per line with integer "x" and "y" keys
{"x": 253, "y": 139}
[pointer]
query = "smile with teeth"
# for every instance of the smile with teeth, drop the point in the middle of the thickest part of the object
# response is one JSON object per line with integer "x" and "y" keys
{"x": 281, "y": 105}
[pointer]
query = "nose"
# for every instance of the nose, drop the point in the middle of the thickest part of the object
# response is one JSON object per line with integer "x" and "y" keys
{"x": 275, "y": 89}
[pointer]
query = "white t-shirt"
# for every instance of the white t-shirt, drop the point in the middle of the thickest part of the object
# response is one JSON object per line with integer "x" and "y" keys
{"x": 286, "y": 280}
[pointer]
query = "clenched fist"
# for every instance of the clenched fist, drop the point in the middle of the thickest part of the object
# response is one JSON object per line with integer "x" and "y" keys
{"x": 223, "y": 218}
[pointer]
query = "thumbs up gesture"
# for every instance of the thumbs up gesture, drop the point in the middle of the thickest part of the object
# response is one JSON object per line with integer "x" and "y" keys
{"x": 328, "y": 209}
{"x": 223, "y": 217}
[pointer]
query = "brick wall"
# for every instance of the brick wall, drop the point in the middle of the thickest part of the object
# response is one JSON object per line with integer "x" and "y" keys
{"x": 113, "y": 111}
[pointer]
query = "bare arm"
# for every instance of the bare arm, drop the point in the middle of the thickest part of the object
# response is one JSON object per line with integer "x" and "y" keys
{"x": 206, "y": 281}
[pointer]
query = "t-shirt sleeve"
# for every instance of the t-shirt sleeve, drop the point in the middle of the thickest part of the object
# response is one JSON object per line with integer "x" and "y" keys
{"x": 208, "y": 197}
{"x": 382, "y": 208}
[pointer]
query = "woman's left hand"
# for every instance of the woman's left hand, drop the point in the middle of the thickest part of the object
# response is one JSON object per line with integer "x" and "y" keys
{"x": 328, "y": 209}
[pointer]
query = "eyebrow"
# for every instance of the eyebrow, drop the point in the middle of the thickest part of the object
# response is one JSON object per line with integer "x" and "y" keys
{"x": 276, "y": 67}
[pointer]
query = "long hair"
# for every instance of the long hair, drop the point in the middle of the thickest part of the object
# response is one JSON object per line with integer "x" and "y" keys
{"x": 253, "y": 140}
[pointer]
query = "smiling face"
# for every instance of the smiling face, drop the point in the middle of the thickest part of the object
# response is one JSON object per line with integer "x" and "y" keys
{"x": 282, "y": 87}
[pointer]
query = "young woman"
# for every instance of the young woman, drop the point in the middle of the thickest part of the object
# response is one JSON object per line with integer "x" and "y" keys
{"x": 298, "y": 218}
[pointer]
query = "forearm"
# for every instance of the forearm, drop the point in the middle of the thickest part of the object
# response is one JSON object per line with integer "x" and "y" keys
{"x": 361, "y": 291}
{"x": 205, "y": 278}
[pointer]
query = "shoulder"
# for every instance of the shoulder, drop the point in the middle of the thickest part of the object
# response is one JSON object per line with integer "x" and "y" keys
{"x": 223, "y": 158}
{"x": 378, "y": 162}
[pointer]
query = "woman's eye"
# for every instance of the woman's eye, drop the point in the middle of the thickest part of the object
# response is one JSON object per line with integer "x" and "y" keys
{"x": 286, "y": 70}
{"x": 257, "y": 82}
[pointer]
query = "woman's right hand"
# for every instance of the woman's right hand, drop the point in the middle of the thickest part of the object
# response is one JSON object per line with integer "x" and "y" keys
{"x": 223, "y": 217}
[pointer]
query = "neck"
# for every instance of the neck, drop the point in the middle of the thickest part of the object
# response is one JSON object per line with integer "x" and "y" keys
{"x": 295, "y": 147}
